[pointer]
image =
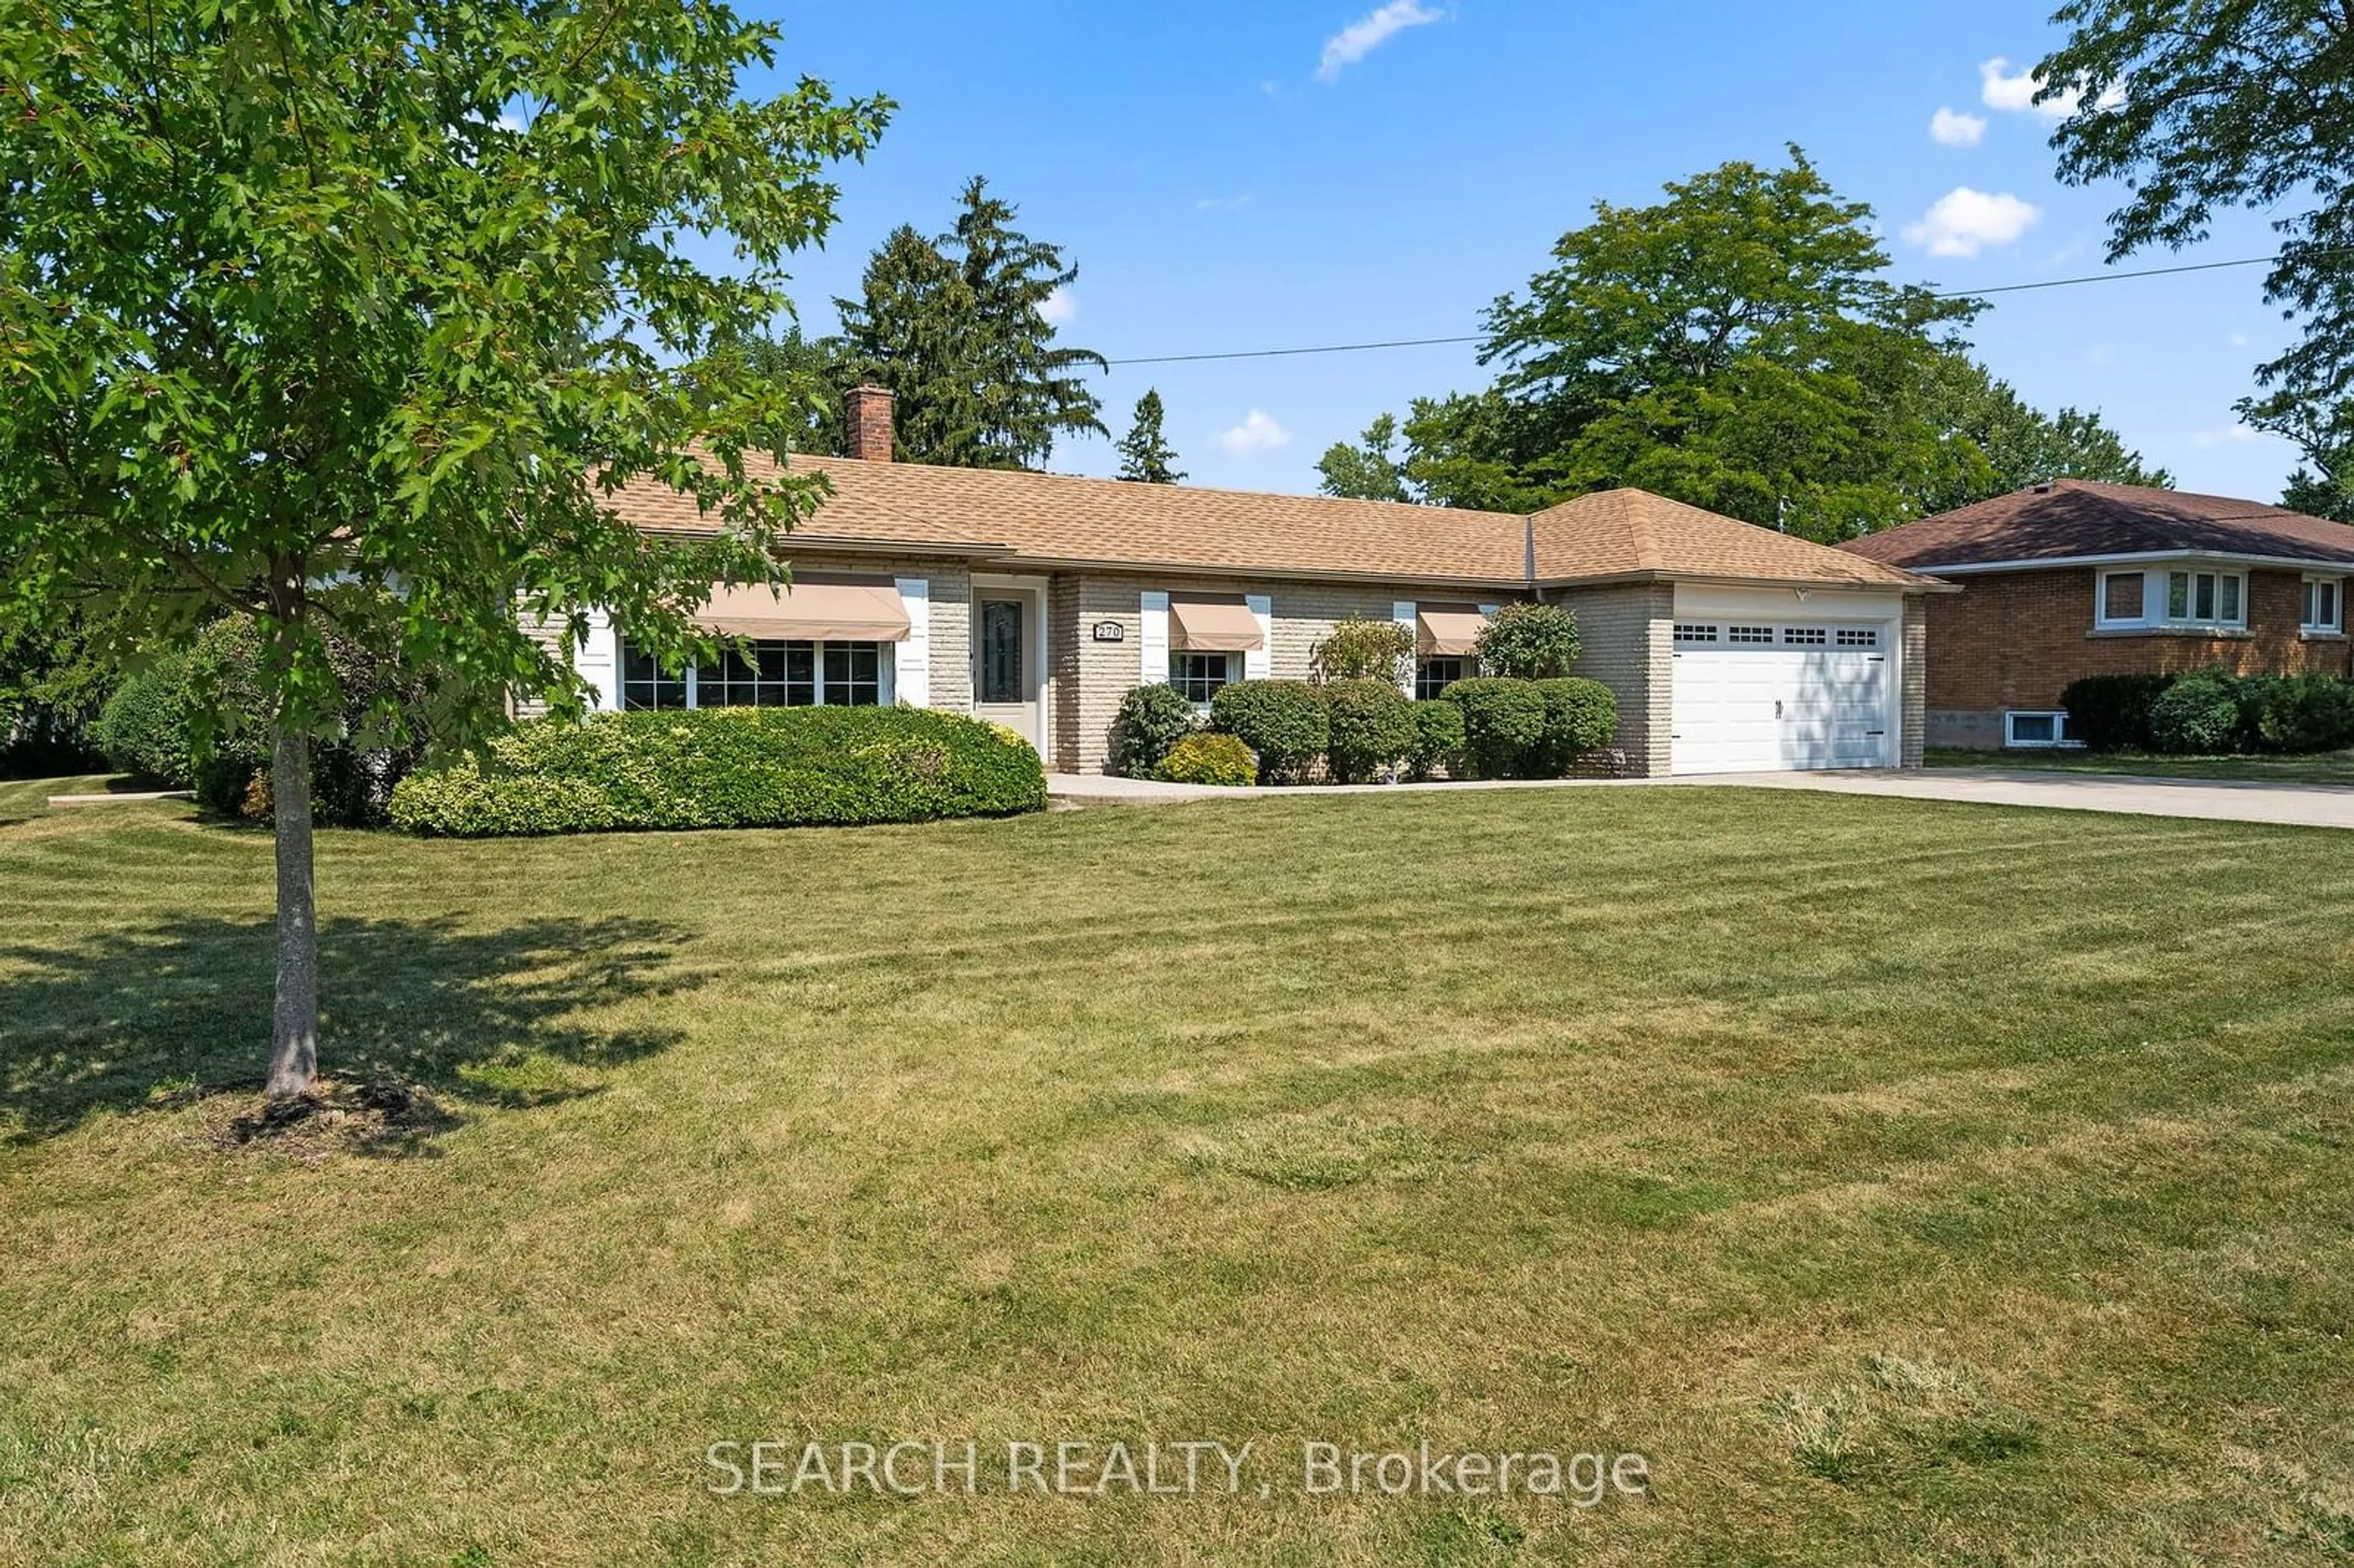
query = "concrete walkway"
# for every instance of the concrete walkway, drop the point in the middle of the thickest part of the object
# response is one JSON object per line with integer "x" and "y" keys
{"x": 2302, "y": 805}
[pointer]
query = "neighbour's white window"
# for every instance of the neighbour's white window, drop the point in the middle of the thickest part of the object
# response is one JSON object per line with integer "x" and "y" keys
{"x": 1200, "y": 676}
{"x": 2034, "y": 729}
{"x": 2322, "y": 605}
{"x": 773, "y": 675}
{"x": 2125, "y": 599}
{"x": 2205, "y": 599}
{"x": 1434, "y": 675}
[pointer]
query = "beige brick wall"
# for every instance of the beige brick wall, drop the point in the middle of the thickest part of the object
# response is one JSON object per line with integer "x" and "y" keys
{"x": 1913, "y": 700}
{"x": 1088, "y": 678}
{"x": 1626, "y": 639}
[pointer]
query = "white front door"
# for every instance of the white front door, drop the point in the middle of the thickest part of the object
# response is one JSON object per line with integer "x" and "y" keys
{"x": 1009, "y": 658}
{"x": 1755, "y": 696}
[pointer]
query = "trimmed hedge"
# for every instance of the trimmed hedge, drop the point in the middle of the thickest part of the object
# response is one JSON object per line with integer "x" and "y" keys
{"x": 2296, "y": 713}
{"x": 1371, "y": 728}
{"x": 2290, "y": 714}
{"x": 1283, "y": 722}
{"x": 1204, "y": 759}
{"x": 727, "y": 767}
{"x": 1438, "y": 740}
{"x": 143, "y": 729}
{"x": 2199, "y": 715}
{"x": 2111, "y": 713}
{"x": 1152, "y": 720}
{"x": 1580, "y": 716}
{"x": 1503, "y": 719}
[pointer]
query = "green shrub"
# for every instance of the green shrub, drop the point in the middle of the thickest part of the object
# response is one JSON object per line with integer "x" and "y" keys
{"x": 1152, "y": 720}
{"x": 1209, "y": 760}
{"x": 353, "y": 770}
{"x": 1362, "y": 650}
{"x": 727, "y": 767}
{"x": 1529, "y": 642}
{"x": 143, "y": 729}
{"x": 2111, "y": 713}
{"x": 2199, "y": 715}
{"x": 1503, "y": 722}
{"x": 1283, "y": 722}
{"x": 1580, "y": 717}
{"x": 1438, "y": 740}
{"x": 2296, "y": 713}
{"x": 1371, "y": 729}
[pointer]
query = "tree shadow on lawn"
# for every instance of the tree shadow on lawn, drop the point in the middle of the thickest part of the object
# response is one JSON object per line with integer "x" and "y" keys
{"x": 179, "y": 1011}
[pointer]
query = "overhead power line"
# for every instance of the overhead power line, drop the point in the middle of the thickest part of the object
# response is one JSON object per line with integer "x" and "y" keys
{"x": 1477, "y": 337}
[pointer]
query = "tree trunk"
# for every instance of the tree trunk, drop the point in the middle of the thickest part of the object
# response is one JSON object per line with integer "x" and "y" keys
{"x": 294, "y": 1021}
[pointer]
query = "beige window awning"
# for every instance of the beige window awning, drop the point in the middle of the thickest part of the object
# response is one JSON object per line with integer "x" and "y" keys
{"x": 808, "y": 611}
{"x": 1447, "y": 633}
{"x": 1212, "y": 626}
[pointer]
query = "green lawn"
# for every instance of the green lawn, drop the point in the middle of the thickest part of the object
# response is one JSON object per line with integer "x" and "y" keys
{"x": 2327, "y": 768}
{"x": 1906, "y": 1181}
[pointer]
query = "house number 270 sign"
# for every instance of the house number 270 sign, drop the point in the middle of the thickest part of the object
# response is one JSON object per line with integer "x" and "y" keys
{"x": 1110, "y": 631}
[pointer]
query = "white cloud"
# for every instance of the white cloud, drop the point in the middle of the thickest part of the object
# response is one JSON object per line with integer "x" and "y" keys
{"x": 1965, "y": 222}
{"x": 1956, "y": 130}
{"x": 2239, "y": 340}
{"x": 1256, "y": 434}
{"x": 1998, "y": 88}
{"x": 1370, "y": 32}
{"x": 2229, "y": 434}
{"x": 1220, "y": 204}
{"x": 1060, "y": 308}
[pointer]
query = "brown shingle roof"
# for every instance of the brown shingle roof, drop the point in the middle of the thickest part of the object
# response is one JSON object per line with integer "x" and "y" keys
{"x": 1632, "y": 533}
{"x": 2075, "y": 517}
{"x": 1038, "y": 518}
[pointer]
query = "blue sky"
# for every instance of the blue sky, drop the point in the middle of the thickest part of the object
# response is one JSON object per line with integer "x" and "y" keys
{"x": 1241, "y": 175}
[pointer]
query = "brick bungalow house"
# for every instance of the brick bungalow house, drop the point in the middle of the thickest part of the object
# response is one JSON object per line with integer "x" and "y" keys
{"x": 2074, "y": 578}
{"x": 1038, "y": 601}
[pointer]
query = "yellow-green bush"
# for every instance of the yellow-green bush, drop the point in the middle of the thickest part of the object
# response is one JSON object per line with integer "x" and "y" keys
{"x": 727, "y": 767}
{"x": 1209, "y": 759}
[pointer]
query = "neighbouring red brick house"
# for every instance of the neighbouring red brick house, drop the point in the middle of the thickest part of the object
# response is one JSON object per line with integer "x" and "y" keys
{"x": 2071, "y": 578}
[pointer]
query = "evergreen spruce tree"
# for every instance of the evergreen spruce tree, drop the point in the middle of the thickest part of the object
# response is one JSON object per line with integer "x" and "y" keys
{"x": 955, "y": 327}
{"x": 1144, "y": 455}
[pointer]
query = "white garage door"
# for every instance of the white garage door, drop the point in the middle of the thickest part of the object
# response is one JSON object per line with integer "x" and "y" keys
{"x": 1754, "y": 696}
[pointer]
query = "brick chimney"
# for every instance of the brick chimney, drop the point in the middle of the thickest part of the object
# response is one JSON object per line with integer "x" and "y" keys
{"x": 867, "y": 421}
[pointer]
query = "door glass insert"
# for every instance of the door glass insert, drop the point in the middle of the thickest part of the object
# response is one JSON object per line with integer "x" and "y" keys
{"x": 1000, "y": 652}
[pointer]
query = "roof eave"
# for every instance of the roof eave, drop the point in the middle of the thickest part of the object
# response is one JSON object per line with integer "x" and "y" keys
{"x": 2132, "y": 557}
{"x": 1911, "y": 582}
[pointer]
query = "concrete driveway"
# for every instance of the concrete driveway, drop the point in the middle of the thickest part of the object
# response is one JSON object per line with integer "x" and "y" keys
{"x": 2223, "y": 800}
{"x": 2298, "y": 805}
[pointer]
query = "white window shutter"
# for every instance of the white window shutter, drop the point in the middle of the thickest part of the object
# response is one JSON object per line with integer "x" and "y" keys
{"x": 1403, "y": 612}
{"x": 911, "y": 664}
{"x": 1259, "y": 661}
{"x": 1153, "y": 642}
{"x": 599, "y": 660}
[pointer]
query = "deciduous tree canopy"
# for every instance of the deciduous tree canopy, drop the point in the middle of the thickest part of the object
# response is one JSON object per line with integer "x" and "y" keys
{"x": 1736, "y": 347}
{"x": 351, "y": 317}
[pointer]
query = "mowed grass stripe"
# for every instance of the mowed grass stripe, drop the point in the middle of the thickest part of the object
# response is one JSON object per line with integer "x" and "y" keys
{"x": 1912, "y": 1182}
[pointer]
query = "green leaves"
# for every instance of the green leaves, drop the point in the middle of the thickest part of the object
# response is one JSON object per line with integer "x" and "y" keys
{"x": 2249, "y": 103}
{"x": 357, "y": 316}
{"x": 957, "y": 328}
{"x": 1734, "y": 346}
